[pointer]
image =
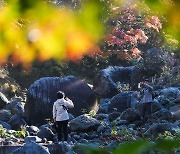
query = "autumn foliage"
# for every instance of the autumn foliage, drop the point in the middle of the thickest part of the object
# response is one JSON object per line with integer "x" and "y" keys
{"x": 130, "y": 29}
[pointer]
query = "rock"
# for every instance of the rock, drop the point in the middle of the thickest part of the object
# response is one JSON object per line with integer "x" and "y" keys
{"x": 11, "y": 131}
{"x": 76, "y": 137}
{"x": 32, "y": 148}
{"x": 122, "y": 122}
{"x": 5, "y": 125}
{"x": 35, "y": 139}
{"x": 83, "y": 141}
{"x": 5, "y": 115}
{"x": 176, "y": 115}
{"x": 17, "y": 122}
{"x": 93, "y": 135}
{"x": 70, "y": 116}
{"x": 16, "y": 107}
{"x": 170, "y": 92}
{"x": 101, "y": 116}
{"x": 162, "y": 114}
{"x": 45, "y": 126}
{"x": 15, "y": 140}
{"x": 113, "y": 116}
{"x": 155, "y": 107}
{"x": 84, "y": 123}
{"x": 42, "y": 94}
{"x": 101, "y": 129}
{"x": 175, "y": 110}
{"x": 154, "y": 57}
{"x": 3, "y": 100}
{"x": 32, "y": 129}
{"x": 103, "y": 105}
{"x": 45, "y": 133}
{"x": 177, "y": 100}
{"x": 105, "y": 84}
{"x": 130, "y": 115}
{"x": 120, "y": 102}
{"x": 158, "y": 128}
{"x": 8, "y": 139}
{"x": 176, "y": 123}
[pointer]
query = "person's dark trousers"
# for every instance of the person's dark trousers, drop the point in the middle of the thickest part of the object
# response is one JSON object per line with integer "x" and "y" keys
{"x": 62, "y": 129}
{"x": 146, "y": 107}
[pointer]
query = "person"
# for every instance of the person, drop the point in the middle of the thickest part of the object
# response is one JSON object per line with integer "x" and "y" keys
{"x": 60, "y": 115}
{"x": 147, "y": 99}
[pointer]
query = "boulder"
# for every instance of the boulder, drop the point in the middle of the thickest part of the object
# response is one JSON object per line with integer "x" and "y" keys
{"x": 130, "y": 115}
{"x": 5, "y": 125}
{"x": 170, "y": 92}
{"x": 120, "y": 102}
{"x": 105, "y": 84}
{"x": 17, "y": 122}
{"x": 175, "y": 110}
{"x": 162, "y": 114}
{"x": 42, "y": 94}
{"x": 103, "y": 105}
{"x": 16, "y": 107}
{"x": 156, "y": 106}
{"x": 113, "y": 116}
{"x": 5, "y": 115}
{"x": 32, "y": 148}
{"x": 158, "y": 128}
{"x": 84, "y": 123}
{"x": 154, "y": 61}
{"x": 176, "y": 123}
{"x": 45, "y": 133}
{"x": 32, "y": 129}
{"x": 3, "y": 100}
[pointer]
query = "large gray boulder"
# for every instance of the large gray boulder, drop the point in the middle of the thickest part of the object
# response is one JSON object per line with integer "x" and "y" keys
{"x": 45, "y": 133}
{"x": 154, "y": 61}
{"x": 42, "y": 94}
{"x": 84, "y": 123}
{"x": 106, "y": 82}
{"x": 121, "y": 102}
{"x": 155, "y": 107}
{"x": 130, "y": 115}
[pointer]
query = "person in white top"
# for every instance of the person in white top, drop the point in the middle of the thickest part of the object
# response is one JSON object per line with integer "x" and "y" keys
{"x": 60, "y": 114}
{"x": 147, "y": 98}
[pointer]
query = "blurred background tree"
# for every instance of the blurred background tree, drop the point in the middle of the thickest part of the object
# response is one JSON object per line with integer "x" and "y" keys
{"x": 43, "y": 33}
{"x": 43, "y": 30}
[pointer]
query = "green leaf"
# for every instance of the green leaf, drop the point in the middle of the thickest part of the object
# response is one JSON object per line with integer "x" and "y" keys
{"x": 167, "y": 145}
{"x": 132, "y": 147}
{"x": 91, "y": 149}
